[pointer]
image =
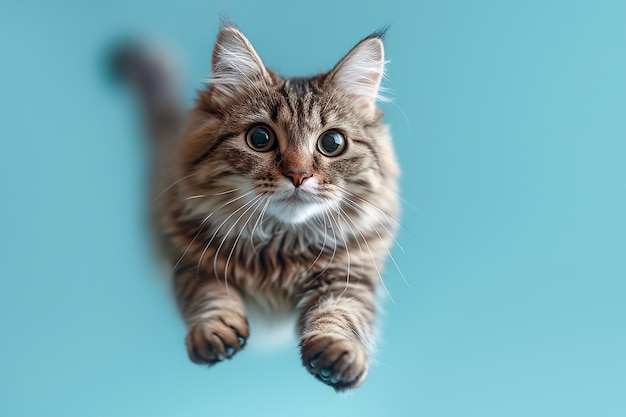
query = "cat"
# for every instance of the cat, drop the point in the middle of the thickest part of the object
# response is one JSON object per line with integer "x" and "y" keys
{"x": 278, "y": 192}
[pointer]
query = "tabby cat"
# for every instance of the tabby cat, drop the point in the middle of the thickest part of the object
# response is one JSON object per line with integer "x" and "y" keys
{"x": 278, "y": 192}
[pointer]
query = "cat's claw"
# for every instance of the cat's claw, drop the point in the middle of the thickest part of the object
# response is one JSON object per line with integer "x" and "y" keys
{"x": 212, "y": 341}
{"x": 335, "y": 360}
{"x": 241, "y": 340}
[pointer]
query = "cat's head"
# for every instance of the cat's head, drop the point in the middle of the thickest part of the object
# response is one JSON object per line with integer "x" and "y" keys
{"x": 294, "y": 148}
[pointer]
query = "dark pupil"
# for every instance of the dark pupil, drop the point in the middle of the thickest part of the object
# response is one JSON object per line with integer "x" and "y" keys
{"x": 331, "y": 142}
{"x": 260, "y": 138}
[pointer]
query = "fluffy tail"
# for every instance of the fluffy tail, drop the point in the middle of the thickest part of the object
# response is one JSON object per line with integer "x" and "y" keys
{"x": 154, "y": 77}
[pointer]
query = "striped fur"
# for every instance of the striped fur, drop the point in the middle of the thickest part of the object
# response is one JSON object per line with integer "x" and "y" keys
{"x": 238, "y": 230}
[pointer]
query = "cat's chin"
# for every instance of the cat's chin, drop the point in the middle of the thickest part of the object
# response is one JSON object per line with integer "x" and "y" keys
{"x": 294, "y": 213}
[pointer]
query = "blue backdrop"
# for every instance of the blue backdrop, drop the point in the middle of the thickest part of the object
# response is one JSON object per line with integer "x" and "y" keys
{"x": 510, "y": 122}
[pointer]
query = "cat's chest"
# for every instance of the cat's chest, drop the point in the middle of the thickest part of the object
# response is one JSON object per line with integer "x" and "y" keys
{"x": 275, "y": 269}
{"x": 272, "y": 264}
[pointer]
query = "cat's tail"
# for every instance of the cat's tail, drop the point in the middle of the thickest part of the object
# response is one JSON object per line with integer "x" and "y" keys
{"x": 156, "y": 81}
{"x": 154, "y": 77}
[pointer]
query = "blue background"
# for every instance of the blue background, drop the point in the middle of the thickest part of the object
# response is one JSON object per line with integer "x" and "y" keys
{"x": 510, "y": 123}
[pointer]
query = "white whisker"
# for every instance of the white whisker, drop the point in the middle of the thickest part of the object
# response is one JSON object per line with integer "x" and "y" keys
{"x": 259, "y": 219}
{"x": 204, "y": 221}
{"x": 343, "y": 237}
{"x": 348, "y": 220}
{"x": 250, "y": 204}
{"x": 172, "y": 185}
{"x": 227, "y": 191}
{"x": 326, "y": 213}
{"x": 406, "y": 119}
{"x": 321, "y": 250}
{"x": 259, "y": 198}
{"x": 383, "y": 212}
{"x": 380, "y": 277}
{"x": 410, "y": 205}
{"x": 212, "y": 195}
{"x": 354, "y": 205}
{"x": 385, "y": 245}
{"x": 217, "y": 230}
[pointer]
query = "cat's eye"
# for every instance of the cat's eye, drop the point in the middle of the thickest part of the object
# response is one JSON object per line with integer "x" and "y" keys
{"x": 260, "y": 138}
{"x": 331, "y": 143}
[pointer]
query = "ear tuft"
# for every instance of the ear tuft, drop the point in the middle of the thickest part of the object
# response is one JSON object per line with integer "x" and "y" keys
{"x": 361, "y": 71}
{"x": 235, "y": 64}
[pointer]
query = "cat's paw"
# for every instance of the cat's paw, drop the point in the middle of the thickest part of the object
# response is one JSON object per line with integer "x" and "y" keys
{"x": 213, "y": 340}
{"x": 335, "y": 360}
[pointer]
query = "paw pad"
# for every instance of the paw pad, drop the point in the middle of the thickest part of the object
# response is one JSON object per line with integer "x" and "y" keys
{"x": 335, "y": 360}
{"x": 212, "y": 341}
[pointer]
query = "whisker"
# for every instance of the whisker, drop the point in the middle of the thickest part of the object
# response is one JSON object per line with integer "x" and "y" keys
{"x": 212, "y": 195}
{"x": 326, "y": 213}
{"x": 406, "y": 119}
{"x": 410, "y": 205}
{"x": 354, "y": 205}
{"x": 217, "y": 230}
{"x": 348, "y": 220}
{"x": 383, "y": 212}
{"x": 393, "y": 259}
{"x": 259, "y": 198}
{"x": 380, "y": 277}
{"x": 389, "y": 216}
{"x": 321, "y": 250}
{"x": 203, "y": 223}
{"x": 259, "y": 219}
{"x": 250, "y": 204}
{"x": 342, "y": 234}
{"x": 330, "y": 99}
{"x": 227, "y": 191}
{"x": 170, "y": 186}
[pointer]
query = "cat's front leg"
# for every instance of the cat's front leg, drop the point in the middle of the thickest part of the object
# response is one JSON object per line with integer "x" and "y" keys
{"x": 215, "y": 316}
{"x": 336, "y": 329}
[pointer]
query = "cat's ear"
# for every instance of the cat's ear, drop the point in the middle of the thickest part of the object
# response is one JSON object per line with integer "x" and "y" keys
{"x": 235, "y": 65}
{"x": 360, "y": 72}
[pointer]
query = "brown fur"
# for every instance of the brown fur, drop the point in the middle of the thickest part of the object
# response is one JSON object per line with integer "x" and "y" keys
{"x": 230, "y": 239}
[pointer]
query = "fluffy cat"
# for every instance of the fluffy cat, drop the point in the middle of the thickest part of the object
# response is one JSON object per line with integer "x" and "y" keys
{"x": 280, "y": 192}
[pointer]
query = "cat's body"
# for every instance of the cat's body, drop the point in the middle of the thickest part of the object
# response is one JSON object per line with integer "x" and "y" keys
{"x": 281, "y": 193}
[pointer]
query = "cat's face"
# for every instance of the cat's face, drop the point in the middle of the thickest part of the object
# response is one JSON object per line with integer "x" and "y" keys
{"x": 294, "y": 149}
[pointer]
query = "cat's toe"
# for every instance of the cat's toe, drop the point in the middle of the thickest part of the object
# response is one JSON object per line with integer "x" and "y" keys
{"x": 212, "y": 341}
{"x": 335, "y": 360}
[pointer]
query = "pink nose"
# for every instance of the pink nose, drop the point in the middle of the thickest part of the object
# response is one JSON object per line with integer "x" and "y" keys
{"x": 298, "y": 178}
